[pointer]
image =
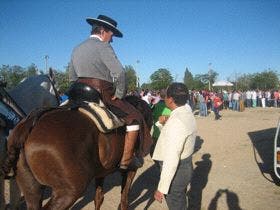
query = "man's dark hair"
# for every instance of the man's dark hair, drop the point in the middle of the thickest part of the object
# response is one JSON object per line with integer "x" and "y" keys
{"x": 96, "y": 29}
{"x": 179, "y": 92}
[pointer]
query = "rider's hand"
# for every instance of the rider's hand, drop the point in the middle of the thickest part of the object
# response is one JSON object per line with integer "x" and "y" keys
{"x": 114, "y": 98}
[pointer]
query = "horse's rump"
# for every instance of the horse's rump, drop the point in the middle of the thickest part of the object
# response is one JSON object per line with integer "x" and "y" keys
{"x": 70, "y": 139}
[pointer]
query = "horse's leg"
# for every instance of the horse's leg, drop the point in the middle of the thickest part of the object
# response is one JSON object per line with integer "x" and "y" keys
{"x": 99, "y": 194}
{"x": 2, "y": 193}
{"x": 127, "y": 179}
{"x": 31, "y": 188}
{"x": 14, "y": 194}
{"x": 61, "y": 199}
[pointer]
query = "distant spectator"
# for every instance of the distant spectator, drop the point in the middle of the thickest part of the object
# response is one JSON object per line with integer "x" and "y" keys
{"x": 217, "y": 102}
{"x": 159, "y": 109}
{"x": 62, "y": 97}
{"x": 147, "y": 96}
{"x": 254, "y": 98}
{"x": 226, "y": 99}
{"x": 202, "y": 105}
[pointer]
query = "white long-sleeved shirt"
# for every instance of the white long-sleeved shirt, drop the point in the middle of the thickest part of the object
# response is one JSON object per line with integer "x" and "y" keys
{"x": 176, "y": 142}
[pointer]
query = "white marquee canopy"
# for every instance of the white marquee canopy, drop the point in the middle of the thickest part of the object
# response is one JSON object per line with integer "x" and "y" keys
{"x": 222, "y": 83}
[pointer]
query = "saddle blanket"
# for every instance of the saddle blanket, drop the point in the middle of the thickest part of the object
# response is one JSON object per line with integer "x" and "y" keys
{"x": 103, "y": 118}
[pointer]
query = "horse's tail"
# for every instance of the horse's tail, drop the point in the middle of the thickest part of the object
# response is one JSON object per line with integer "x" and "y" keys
{"x": 16, "y": 140}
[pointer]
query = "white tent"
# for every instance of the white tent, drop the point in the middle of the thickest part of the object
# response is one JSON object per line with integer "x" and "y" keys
{"x": 222, "y": 83}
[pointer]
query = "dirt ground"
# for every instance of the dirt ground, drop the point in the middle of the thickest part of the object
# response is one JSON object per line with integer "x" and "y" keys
{"x": 233, "y": 167}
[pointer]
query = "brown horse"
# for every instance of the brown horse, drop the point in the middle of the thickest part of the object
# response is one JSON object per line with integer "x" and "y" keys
{"x": 64, "y": 150}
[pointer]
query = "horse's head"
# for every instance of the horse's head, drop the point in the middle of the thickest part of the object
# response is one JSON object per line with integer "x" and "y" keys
{"x": 35, "y": 92}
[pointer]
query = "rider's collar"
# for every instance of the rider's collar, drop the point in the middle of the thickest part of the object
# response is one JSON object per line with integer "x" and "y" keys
{"x": 96, "y": 36}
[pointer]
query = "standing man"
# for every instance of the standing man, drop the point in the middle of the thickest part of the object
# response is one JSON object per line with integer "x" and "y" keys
{"x": 159, "y": 109}
{"x": 174, "y": 149}
{"x": 94, "y": 62}
{"x": 217, "y": 102}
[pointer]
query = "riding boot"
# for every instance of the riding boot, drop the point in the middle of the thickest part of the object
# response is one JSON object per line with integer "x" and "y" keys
{"x": 128, "y": 153}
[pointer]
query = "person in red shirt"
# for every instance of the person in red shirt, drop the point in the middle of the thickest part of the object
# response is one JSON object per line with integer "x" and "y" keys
{"x": 217, "y": 101}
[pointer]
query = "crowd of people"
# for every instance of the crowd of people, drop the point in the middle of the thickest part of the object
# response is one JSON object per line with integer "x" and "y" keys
{"x": 233, "y": 99}
{"x": 205, "y": 101}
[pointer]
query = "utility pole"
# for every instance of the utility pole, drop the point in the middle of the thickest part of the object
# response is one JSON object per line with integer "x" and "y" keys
{"x": 137, "y": 78}
{"x": 46, "y": 60}
{"x": 209, "y": 76}
{"x": 235, "y": 75}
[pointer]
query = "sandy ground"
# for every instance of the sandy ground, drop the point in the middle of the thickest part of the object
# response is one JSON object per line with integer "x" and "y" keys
{"x": 233, "y": 167}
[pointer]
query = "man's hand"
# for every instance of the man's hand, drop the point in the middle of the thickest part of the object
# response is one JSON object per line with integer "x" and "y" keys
{"x": 158, "y": 196}
{"x": 114, "y": 98}
{"x": 162, "y": 119}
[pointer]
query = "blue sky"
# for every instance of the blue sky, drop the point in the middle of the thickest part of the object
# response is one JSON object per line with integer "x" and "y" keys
{"x": 236, "y": 37}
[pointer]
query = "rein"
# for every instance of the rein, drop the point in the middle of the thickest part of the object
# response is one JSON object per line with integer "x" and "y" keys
{"x": 54, "y": 89}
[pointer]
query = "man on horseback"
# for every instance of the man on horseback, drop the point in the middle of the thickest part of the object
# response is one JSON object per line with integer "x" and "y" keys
{"x": 95, "y": 63}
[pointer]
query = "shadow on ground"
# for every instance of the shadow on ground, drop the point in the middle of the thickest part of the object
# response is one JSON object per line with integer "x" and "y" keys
{"x": 199, "y": 181}
{"x": 263, "y": 145}
{"x": 231, "y": 198}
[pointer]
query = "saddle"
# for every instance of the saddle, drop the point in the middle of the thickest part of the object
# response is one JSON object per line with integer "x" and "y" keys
{"x": 88, "y": 101}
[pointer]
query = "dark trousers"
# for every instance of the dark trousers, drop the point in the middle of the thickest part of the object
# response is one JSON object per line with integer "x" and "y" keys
{"x": 176, "y": 198}
{"x": 216, "y": 111}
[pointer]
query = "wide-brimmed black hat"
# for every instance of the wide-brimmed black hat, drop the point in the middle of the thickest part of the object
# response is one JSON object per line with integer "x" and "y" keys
{"x": 109, "y": 23}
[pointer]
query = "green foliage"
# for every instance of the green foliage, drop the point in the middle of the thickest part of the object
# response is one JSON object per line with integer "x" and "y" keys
{"x": 62, "y": 80}
{"x": 199, "y": 83}
{"x": 244, "y": 82}
{"x": 160, "y": 79}
{"x": 12, "y": 75}
{"x": 131, "y": 78}
{"x": 265, "y": 80}
{"x": 210, "y": 77}
{"x": 188, "y": 79}
{"x": 145, "y": 86}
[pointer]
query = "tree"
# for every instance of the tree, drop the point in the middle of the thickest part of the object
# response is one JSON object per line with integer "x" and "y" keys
{"x": 131, "y": 78}
{"x": 207, "y": 79}
{"x": 62, "y": 80}
{"x": 265, "y": 80}
{"x": 145, "y": 86}
{"x": 243, "y": 82}
{"x": 198, "y": 83}
{"x": 160, "y": 79}
{"x": 188, "y": 79}
{"x": 12, "y": 75}
{"x": 32, "y": 70}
